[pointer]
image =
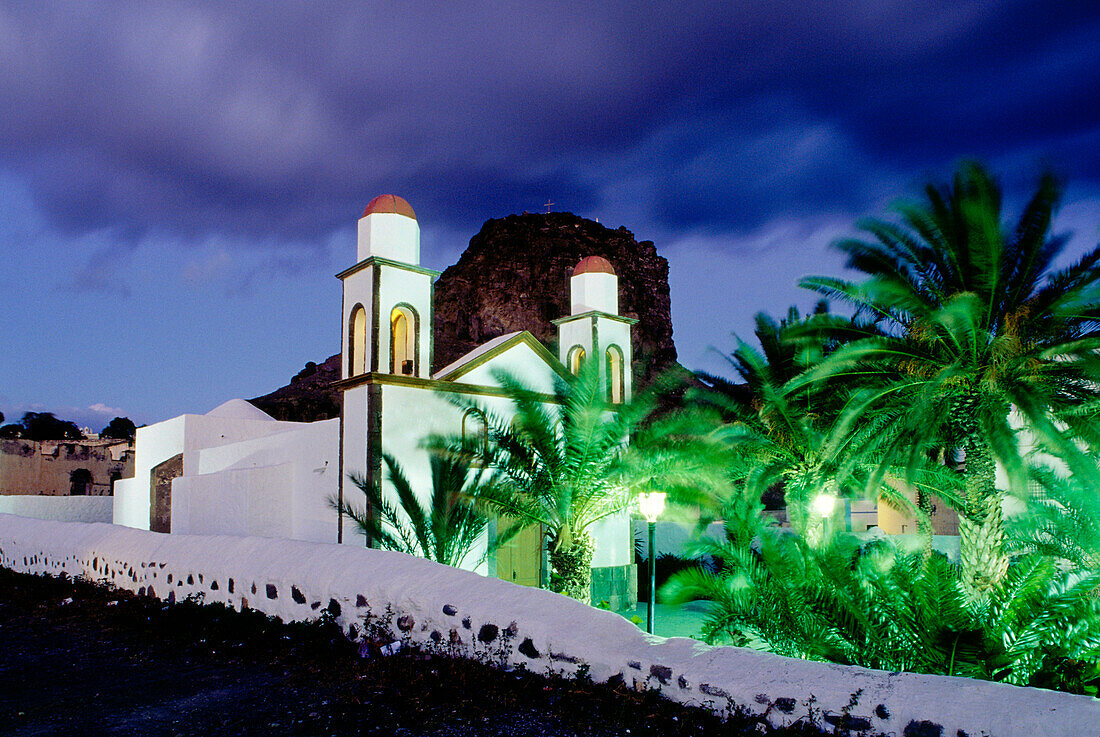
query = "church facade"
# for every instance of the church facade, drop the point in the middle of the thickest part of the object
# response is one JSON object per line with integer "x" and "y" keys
{"x": 237, "y": 471}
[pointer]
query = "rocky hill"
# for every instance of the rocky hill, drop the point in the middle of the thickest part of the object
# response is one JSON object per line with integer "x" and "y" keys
{"x": 515, "y": 276}
{"x": 308, "y": 397}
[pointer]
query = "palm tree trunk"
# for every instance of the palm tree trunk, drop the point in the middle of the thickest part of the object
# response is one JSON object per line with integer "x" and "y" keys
{"x": 924, "y": 522}
{"x": 981, "y": 527}
{"x": 572, "y": 569}
{"x": 925, "y": 510}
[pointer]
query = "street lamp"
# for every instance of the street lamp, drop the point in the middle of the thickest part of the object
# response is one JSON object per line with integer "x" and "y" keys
{"x": 651, "y": 505}
{"x": 824, "y": 505}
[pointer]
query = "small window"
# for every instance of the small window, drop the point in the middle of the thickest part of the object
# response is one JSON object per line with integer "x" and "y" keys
{"x": 475, "y": 431}
{"x": 575, "y": 359}
{"x": 615, "y": 375}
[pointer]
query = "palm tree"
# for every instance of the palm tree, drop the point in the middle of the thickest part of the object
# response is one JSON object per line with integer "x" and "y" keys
{"x": 782, "y": 438}
{"x": 1061, "y": 519}
{"x": 557, "y": 463}
{"x": 443, "y": 528}
{"x": 568, "y": 463}
{"x": 870, "y": 603}
{"x": 974, "y": 334}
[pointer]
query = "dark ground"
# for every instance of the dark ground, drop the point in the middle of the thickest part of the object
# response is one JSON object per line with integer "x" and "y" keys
{"x": 77, "y": 659}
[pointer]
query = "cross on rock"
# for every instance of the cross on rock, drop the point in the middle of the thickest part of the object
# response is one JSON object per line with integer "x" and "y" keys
{"x": 547, "y": 205}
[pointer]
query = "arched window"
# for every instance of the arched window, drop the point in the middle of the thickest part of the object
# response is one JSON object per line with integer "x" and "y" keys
{"x": 357, "y": 341}
{"x": 575, "y": 359}
{"x": 475, "y": 431}
{"x": 615, "y": 375}
{"x": 403, "y": 340}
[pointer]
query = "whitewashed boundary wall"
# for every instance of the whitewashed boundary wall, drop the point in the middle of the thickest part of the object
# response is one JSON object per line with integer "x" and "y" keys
{"x": 461, "y": 613}
{"x": 60, "y": 508}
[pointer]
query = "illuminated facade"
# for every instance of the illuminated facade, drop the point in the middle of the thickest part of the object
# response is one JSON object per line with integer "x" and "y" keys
{"x": 238, "y": 471}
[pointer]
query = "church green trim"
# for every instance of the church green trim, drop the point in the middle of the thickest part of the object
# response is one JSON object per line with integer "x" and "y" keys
{"x": 595, "y": 313}
{"x": 522, "y": 337}
{"x": 373, "y": 260}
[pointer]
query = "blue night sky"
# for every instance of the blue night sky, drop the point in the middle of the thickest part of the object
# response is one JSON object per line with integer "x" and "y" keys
{"x": 180, "y": 181}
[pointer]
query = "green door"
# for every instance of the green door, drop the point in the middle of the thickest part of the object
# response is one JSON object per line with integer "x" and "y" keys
{"x": 520, "y": 559}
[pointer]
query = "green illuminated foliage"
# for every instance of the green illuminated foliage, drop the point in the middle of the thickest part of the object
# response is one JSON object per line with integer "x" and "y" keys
{"x": 973, "y": 335}
{"x": 443, "y": 527}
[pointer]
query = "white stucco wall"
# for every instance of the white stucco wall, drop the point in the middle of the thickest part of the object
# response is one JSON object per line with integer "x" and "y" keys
{"x": 278, "y": 485}
{"x": 316, "y": 481}
{"x": 60, "y": 508}
{"x": 205, "y": 431}
{"x": 154, "y": 444}
{"x": 389, "y": 235}
{"x": 670, "y": 536}
{"x": 519, "y": 360}
{"x": 459, "y": 613}
{"x": 614, "y": 541}
{"x": 354, "y": 451}
{"x": 193, "y": 435}
{"x": 594, "y": 291}
{"x": 242, "y": 501}
{"x": 410, "y": 415}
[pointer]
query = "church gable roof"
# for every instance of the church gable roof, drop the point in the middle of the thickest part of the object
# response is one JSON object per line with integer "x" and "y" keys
{"x": 494, "y": 350}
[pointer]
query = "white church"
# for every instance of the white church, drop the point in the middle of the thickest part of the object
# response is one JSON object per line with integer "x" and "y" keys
{"x": 237, "y": 471}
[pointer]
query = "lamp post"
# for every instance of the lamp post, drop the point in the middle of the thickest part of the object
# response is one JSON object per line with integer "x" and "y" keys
{"x": 651, "y": 505}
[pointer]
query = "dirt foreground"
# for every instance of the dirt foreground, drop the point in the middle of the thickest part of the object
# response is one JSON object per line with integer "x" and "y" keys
{"x": 77, "y": 659}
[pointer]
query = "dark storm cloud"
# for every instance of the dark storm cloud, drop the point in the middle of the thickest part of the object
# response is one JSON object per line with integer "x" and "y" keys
{"x": 276, "y": 122}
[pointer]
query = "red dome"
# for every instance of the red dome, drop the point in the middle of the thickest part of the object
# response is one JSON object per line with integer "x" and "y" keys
{"x": 389, "y": 203}
{"x": 594, "y": 265}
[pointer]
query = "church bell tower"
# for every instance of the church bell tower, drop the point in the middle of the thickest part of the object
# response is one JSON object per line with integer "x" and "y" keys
{"x": 386, "y": 330}
{"x": 594, "y": 330}
{"x": 387, "y": 296}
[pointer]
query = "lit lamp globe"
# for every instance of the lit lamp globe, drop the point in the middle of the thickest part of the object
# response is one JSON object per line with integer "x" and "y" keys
{"x": 651, "y": 504}
{"x": 824, "y": 504}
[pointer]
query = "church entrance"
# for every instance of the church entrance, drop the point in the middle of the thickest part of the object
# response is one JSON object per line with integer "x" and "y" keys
{"x": 160, "y": 492}
{"x": 520, "y": 559}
